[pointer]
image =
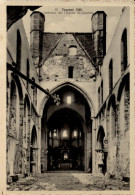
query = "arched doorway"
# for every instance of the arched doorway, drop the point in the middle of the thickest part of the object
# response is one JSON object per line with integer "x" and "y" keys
{"x": 14, "y": 127}
{"x": 66, "y": 136}
{"x": 33, "y": 151}
{"x": 101, "y": 155}
{"x": 111, "y": 135}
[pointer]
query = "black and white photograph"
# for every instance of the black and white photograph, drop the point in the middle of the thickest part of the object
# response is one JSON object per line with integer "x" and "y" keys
{"x": 67, "y": 98}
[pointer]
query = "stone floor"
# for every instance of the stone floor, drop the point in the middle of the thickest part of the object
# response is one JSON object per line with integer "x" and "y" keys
{"x": 54, "y": 181}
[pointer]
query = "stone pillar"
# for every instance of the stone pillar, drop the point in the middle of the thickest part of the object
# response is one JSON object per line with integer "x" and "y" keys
{"x": 8, "y": 121}
{"x": 39, "y": 147}
{"x": 88, "y": 150}
{"x": 46, "y": 149}
{"x": 127, "y": 134}
{"x": 21, "y": 135}
{"x": 118, "y": 139}
{"x": 122, "y": 119}
{"x": 93, "y": 145}
{"x": 85, "y": 151}
{"x": 108, "y": 139}
{"x": 28, "y": 144}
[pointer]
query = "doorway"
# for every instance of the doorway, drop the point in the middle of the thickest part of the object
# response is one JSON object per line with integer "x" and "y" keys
{"x": 33, "y": 151}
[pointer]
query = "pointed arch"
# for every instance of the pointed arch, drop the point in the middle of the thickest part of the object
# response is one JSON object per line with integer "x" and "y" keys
{"x": 79, "y": 89}
{"x": 26, "y": 121}
{"x": 100, "y": 137}
{"x": 16, "y": 79}
{"x": 33, "y": 150}
{"x": 112, "y": 100}
{"x": 124, "y": 82}
{"x": 110, "y": 76}
{"x": 34, "y": 137}
{"x": 18, "y": 50}
{"x": 102, "y": 92}
{"x": 124, "y": 62}
{"x": 111, "y": 118}
{"x": 27, "y": 73}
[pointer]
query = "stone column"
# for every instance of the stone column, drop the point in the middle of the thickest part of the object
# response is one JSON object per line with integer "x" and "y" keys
{"x": 89, "y": 152}
{"x": 126, "y": 167}
{"x": 118, "y": 139}
{"x": 108, "y": 139}
{"x": 46, "y": 148}
{"x": 39, "y": 147}
{"x": 21, "y": 135}
{"x": 28, "y": 143}
{"x": 87, "y": 149}
{"x": 93, "y": 145}
{"x": 43, "y": 150}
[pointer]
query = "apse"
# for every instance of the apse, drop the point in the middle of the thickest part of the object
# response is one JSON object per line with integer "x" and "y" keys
{"x": 65, "y": 141}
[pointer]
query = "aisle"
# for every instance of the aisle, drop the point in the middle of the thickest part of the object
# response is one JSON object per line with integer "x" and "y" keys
{"x": 54, "y": 181}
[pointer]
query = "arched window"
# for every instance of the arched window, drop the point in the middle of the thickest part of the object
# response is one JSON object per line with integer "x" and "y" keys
{"x": 18, "y": 50}
{"x": 75, "y": 133}
{"x": 35, "y": 96}
{"x": 26, "y": 122}
{"x": 124, "y": 51}
{"x": 65, "y": 133}
{"x": 110, "y": 76}
{"x": 99, "y": 97}
{"x": 72, "y": 50}
{"x": 70, "y": 72}
{"x": 33, "y": 151}
{"x": 101, "y": 92}
{"x": 28, "y": 72}
{"x": 55, "y": 133}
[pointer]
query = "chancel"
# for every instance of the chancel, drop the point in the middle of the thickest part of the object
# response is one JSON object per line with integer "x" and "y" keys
{"x": 66, "y": 150}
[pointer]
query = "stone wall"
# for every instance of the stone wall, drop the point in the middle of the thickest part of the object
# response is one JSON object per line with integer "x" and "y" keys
{"x": 56, "y": 67}
{"x": 20, "y": 116}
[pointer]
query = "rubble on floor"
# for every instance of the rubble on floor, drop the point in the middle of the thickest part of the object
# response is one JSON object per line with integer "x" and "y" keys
{"x": 67, "y": 181}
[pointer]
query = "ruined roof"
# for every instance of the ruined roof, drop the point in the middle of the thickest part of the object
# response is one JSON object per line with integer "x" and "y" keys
{"x": 51, "y": 40}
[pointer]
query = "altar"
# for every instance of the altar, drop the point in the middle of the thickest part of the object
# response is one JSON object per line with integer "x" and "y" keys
{"x": 65, "y": 166}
